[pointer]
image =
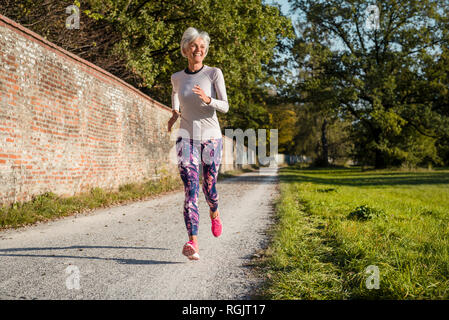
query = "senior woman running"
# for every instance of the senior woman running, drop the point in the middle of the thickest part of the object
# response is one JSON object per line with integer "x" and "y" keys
{"x": 199, "y": 91}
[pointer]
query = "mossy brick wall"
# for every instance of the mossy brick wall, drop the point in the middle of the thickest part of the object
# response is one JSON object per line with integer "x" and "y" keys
{"x": 67, "y": 126}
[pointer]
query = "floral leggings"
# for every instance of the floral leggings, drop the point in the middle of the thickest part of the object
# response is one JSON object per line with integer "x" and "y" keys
{"x": 189, "y": 159}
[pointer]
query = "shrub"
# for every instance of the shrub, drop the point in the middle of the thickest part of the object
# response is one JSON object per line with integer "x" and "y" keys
{"x": 365, "y": 212}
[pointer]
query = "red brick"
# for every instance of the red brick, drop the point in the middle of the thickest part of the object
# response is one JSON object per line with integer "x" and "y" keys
{"x": 56, "y": 128}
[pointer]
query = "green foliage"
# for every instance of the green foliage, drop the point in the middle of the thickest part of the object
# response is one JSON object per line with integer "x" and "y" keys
{"x": 308, "y": 134}
{"x": 392, "y": 81}
{"x": 285, "y": 119}
{"x": 243, "y": 37}
{"x": 364, "y": 212}
{"x": 138, "y": 41}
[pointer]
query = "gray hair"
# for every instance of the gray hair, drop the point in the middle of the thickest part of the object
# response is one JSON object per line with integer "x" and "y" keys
{"x": 190, "y": 35}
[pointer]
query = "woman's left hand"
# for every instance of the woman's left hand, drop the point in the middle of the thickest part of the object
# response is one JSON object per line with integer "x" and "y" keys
{"x": 201, "y": 94}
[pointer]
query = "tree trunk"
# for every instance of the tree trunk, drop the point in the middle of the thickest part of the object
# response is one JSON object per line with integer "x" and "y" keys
{"x": 325, "y": 154}
{"x": 380, "y": 161}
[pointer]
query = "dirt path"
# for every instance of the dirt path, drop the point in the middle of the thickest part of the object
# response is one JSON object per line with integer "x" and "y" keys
{"x": 134, "y": 251}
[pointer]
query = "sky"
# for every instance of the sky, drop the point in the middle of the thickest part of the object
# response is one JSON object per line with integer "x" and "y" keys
{"x": 284, "y": 3}
{"x": 285, "y": 8}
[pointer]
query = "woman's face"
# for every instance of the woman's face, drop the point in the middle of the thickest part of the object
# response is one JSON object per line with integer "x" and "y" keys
{"x": 196, "y": 51}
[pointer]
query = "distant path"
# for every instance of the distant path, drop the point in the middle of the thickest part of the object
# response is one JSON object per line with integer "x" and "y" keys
{"x": 134, "y": 251}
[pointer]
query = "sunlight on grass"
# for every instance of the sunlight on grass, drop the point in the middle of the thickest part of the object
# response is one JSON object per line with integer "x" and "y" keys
{"x": 319, "y": 251}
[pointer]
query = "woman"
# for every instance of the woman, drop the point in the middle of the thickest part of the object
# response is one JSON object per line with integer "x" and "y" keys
{"x": 199, "y": 91}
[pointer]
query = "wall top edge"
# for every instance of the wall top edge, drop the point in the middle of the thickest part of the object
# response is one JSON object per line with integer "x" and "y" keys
{"x": 6, "y": 22}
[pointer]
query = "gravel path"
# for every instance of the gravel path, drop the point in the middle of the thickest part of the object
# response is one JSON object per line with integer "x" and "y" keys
{"x": 134, "y": 251}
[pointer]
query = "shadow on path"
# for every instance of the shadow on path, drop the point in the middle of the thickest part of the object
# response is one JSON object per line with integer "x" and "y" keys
{"x": 77, "y": 247}
{"x": 118, "y": 260}
{"x": 255, "y": 179}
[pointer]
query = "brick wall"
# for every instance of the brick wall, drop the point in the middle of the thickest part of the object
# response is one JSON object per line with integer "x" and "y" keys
{"x": 67, "y": 125}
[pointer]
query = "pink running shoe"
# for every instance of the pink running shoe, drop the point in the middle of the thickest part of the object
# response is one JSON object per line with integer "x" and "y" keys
{"x": 216, "y": 226}
{"x": 190, "y": 250}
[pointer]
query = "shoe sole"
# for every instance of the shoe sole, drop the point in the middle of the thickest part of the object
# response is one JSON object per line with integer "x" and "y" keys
{"x": 189, "y": 252}
{"x": 194, "y": 256}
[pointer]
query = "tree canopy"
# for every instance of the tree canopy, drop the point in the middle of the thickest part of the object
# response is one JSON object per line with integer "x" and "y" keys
{"x": 138, "y": 41}
{"x": 361, "y": 79}
{"x": 384, "y": 64}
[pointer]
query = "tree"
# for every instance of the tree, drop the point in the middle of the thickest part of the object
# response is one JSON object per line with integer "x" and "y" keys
{"x": 243, "y": 35}
{"x": 334, "y": 142}
{"x": 138, "y": 41}
{"x": 379, "y": 73}
{"x": 284, "y": 119}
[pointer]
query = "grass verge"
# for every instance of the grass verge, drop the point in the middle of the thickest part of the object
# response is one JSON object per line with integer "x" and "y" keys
{"x": 331, "y": 225}
{"x": 49, "y": 206}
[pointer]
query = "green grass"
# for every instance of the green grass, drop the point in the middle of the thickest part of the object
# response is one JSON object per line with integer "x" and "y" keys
{"x": 331, "y": 224}
{"x": 49, "y": 206}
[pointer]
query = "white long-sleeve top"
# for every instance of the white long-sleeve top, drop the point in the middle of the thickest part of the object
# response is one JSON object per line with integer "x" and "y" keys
{"x": 198, "y": 119}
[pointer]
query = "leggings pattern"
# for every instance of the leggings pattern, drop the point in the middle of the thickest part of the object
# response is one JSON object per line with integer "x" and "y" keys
{"x": 189, "y": 159}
